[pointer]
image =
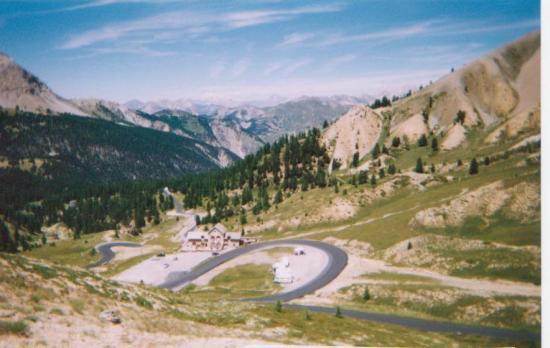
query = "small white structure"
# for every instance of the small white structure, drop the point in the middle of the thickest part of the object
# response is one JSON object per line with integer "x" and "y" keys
{"x": 283, "y": 275}
{"x": 285, "y": 261}
{"x": 282, "y": 270}
{"x": 299, "y": 251}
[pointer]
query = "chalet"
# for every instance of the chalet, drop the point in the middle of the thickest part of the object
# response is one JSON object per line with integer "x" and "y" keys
{"x": 215, "y": 239}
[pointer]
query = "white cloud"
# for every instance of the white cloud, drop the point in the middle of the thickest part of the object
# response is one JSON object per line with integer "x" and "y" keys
{"x": 240, "y": 67}
{"x": 332, "y": 64}
{"x": 217, "y": 69}
{"x": 101, "y": 3}
{"x": 190, "y": 23}
{"x": 394, "y": 33}
{"x": 296, "y": 38}
{"x": 273, "y": 67}
{"x": 250, "y": 18}
{"x": 294, "y": 87}
{"x": 434, "y": 27}
{"x": 293, "y": 66}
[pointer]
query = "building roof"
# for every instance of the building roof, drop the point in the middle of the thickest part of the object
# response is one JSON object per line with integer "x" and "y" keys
{"x": 218, "y": 227}
{"x": 234, "y": 235}
{"x": 196, "y": 235}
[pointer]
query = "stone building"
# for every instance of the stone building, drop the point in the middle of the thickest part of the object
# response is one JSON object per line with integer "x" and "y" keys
{"x": 215, "y": 239}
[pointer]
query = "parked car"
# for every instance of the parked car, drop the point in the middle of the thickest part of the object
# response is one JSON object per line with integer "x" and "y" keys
{"x": 161, "y": 254}
{"x": 215, "y": 253}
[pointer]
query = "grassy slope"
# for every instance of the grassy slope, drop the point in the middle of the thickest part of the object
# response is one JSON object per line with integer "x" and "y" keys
{"x": 32, "y": 292}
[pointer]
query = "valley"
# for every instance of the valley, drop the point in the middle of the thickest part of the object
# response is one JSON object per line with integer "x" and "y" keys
{"x": 420, "y": 218}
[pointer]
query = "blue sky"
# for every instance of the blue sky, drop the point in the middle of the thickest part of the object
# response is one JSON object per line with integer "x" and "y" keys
{"x": 248, "y": 50}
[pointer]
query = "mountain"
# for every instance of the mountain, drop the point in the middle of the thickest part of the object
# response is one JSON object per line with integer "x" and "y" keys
{"x": 46, "y": 144}
{"x": 500, "y": 90}
{"x": 224, "y": 134}
{"x": 266, "y": 123}
{"x": 21, "y": 89}
{"x": 497, "y": 95}
{"x": 42, "y": 154}
{"x": 355, "y": 132}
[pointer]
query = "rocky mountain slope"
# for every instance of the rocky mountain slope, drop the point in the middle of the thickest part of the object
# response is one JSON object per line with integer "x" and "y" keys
{"x": 21, "y": 89}
{"x": 355, "y": 132}
{"x": 251, "y": 123}
{"x": 499, "y": 91}
{"x": 240, "y": 130}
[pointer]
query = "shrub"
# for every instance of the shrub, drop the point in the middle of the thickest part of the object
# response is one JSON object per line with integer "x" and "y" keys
{"x": 142, "y": 301}
{"x": 278, "y": 307}
{"x": 13, "y": 327}
{"x": 44, "y": 271}
{"x": 366, "y": 295}
{"x": 473, "y": 167}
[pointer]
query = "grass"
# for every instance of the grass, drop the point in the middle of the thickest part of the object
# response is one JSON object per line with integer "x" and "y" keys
{"x": 433, "y": 301}
{"x": 400, "y": 278}
{"x": 245, "y": 281}
{"x": 13, "y": 328}
{"x": 69, "y": 252}
{"x": 120, "y": 266}
{"x": 279, "y": 250}
{"x": 499, "y": 229}
{"x": 77, "y": 306}
{"x": 497, "y": 264}
{"x": 330, "y": 330}
{"x": 44, "y": 271}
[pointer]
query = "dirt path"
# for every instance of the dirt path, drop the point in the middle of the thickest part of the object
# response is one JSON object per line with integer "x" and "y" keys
{"x": 344, "y": 227}
{"x": 358, "y": 267}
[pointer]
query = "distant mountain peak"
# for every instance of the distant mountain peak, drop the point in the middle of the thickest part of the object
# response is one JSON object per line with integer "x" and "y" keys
{"x": 21, "y": 89}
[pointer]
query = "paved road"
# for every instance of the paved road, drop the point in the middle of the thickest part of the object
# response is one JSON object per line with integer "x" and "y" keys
{"x": 337, "y": 262}
{"x": 107, "y": 254}
{"x": 427, "y": 325}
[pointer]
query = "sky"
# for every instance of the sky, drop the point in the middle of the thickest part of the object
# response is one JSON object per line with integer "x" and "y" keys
{"x": 252, "y": 49}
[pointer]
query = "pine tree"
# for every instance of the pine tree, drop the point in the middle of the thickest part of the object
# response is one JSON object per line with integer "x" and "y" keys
{"x": 363, "y": 177}
{"x": 381, "y": 173}
{"x": 355, "y": 161}
{"x": 425, "y": 116}
{"x": 422, "y": 141}
{"x": 396, "y": 141}
{"x": 487, "y": 161}
{"x": 473, "y": 167}
{"x": 278, "y": 307}
{"x": 338, "y": 313}
{"x": 307, "y": 316}
{"x": 366, "y": 295}
{"x": 435, "y": 146}
{"x": 391, "y": 169}
{"x": 460, "y": 116}
{"x": 243, "y": 220}
{"x": 419, "y": 166}
{"x": 375, "y": 152}
{"x": 373, "y": 180}
{"x": 5, "y": 238}
{"x": 278, "y": 196}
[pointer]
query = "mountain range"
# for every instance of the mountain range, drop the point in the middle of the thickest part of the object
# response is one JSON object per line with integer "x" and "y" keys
{"x": 495, "y": 93}
{"x": 240, "y": 129}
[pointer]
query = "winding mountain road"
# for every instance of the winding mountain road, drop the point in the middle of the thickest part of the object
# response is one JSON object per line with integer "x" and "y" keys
{"x": 337, "y": 262}
{"x": 107, "y": 254}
